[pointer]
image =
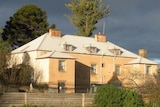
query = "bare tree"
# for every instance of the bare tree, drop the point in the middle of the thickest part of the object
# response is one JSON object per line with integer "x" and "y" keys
{"x": 133, "y": 78}
{"x": 146, "y": 84}
{"x": 152, "y": 89}
{"x": 4, "y": 61}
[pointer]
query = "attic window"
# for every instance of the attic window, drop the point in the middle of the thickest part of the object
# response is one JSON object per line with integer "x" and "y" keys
{"x": 68, "y": 47}
{"x": 116, "y": 51}
{"x": 91, "y": 49}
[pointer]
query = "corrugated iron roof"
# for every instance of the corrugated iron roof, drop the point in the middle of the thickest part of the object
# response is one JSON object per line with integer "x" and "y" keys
{"x": 54, "y": 45}
{"x": 141, "y": 60}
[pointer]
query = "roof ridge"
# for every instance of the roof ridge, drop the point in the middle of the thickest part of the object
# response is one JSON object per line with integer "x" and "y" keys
{"x": 42, "y": 41}
{"x": 78, "y": 36}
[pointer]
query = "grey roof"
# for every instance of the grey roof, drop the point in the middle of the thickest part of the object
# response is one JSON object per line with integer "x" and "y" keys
{"x": 51, "y": 43}
{"x": 55, "y": 45}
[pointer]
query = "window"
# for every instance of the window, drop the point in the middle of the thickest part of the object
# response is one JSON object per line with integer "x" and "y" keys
{"x": 148, "y": 70}
{"x": 93, "y": 87}
{"x": 68, "y": 47}
{"x": 93, "y": 68}
{"x": 91, "y": 49}
{"x": 117, "y": 70}
{"x": 116, "y": 51}
{"x": 61, "y": 65}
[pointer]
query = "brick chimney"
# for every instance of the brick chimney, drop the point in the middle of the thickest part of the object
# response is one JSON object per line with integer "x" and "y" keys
{"x": 55, "y": 32}
{"x": 142, "y": 53}
{"x": 100, "y": 37}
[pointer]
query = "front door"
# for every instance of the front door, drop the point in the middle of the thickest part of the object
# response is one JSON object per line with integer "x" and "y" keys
{"x": 61, "y": 87}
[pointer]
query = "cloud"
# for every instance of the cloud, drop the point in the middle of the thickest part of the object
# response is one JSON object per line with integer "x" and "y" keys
{"x": 132, "y": 24}
{"x": 135, "y": 24}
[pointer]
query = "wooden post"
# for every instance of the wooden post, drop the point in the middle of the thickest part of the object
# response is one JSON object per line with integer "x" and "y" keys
{"x": 83, "y": 96}
{"x": 25, "y": 98}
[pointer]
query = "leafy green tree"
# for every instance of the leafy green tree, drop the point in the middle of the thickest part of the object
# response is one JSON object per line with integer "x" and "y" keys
{"x": 111, "y": 96}
{"x": 26, "y": 24}
{"x": 85, "y": 14}
{"x": 4, "y": 45}
{"x": 1, "y": 31}
{"x": 132, "y": 99}
{"x": 53, "y": 26}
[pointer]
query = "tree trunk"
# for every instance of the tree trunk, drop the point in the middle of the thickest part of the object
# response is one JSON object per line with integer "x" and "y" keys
{"x": 86, "y": 29}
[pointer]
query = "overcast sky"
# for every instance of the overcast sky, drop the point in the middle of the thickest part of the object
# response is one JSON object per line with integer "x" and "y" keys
{"x": 132, "y": 24}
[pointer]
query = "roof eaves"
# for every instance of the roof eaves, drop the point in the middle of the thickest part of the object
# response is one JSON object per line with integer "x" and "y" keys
{"x": 60, "y": 56}
{"x": 22, "y": 51}
{"x": 55, "y": 58}
{"x": 141, "y": 60}
{"x": 140, "y": 63}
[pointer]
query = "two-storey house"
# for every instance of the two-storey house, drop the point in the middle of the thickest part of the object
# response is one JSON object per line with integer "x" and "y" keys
{"x": 70, "y": 63}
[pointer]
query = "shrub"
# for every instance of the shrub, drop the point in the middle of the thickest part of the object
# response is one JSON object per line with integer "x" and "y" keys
{"x": 108, "y": 95}
{"x": 132, "y": 99}
{"x": 41, "y": 86}
{"x": 111, "y": 96}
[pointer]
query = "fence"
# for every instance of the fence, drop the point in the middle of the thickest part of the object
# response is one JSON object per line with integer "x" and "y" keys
{"x": 47, "y": 99}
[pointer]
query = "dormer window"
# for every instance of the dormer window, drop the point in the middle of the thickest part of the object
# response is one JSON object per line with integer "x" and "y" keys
{"x": 68, "y": 47}
{"x": 116, "y": 51}
{"x": 92, "y": 49}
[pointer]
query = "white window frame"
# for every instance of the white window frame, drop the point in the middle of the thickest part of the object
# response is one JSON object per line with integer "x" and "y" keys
{"x": 61, "y": 65}
{"x": 93, "y": 68}
{"x": 68, "y": 47}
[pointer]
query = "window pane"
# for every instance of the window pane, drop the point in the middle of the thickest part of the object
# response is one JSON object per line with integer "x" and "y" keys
{"x": 61, "y": 65}
{"x": 91, "y": 49}
{"x": 68, "y": 47}
{"x": 93, "y": 68}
